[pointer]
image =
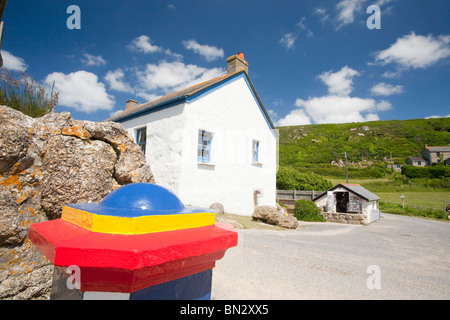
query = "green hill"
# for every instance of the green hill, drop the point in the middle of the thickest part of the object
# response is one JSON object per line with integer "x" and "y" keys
{"x": 369, "y": 145}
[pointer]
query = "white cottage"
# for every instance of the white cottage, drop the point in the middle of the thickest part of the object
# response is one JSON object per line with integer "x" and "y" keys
{"x": 212, "y": 142}
{"x": 344, "y": 202}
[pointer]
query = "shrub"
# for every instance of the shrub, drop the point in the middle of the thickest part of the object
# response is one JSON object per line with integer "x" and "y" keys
{"x": 290, "y": 179}
{"x": 306, "y": 210}
{"x": 26, "y": 95}
{"x": 433, "y": 172}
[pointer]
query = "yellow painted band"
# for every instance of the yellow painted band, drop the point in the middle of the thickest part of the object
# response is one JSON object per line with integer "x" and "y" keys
{"x": 136, "y": 225}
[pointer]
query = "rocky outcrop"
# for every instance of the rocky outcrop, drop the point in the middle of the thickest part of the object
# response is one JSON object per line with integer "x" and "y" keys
{"x": 275, "y": 215}
{"x": 46, "y": 163}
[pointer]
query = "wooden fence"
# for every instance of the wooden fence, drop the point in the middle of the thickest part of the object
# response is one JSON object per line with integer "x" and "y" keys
{"x": 289, "y": 197}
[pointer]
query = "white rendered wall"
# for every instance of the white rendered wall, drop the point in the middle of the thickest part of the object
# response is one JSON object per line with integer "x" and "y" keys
{"x": 232, "y": 114}
{"x": 164, "y": 144}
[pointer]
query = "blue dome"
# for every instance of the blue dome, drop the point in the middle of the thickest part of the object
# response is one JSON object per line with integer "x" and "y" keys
{"x": 142, "y": 196}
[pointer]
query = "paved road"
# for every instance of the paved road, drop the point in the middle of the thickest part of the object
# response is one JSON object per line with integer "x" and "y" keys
{"x": 330, "y": 261}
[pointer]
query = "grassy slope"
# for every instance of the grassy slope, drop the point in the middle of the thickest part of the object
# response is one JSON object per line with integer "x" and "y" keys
{"x": 298, "y": 146}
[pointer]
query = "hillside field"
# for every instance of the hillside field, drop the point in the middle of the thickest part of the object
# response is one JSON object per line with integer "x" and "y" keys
{"x": 316, "y": 148}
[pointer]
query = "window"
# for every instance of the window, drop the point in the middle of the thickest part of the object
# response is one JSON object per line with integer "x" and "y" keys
{"x": 141, "y": 138}
{"x": 255, "y": 151}
{"x": 204, "y": 146}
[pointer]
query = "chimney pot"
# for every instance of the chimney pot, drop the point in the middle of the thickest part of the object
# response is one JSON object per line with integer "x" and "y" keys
{"x": 130, "y": 104}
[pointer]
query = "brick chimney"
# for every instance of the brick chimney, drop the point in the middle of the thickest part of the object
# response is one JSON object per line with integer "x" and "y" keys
{"x": 237, "y": 63}
{"x": 130, "y": 104}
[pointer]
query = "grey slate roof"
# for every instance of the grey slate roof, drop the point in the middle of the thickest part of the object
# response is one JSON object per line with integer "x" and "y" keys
{"x": 417, "y": 158}
{"x": 361, "y": 191}
{"x": 438, "y": 149}
{"x": 356, "y": 189}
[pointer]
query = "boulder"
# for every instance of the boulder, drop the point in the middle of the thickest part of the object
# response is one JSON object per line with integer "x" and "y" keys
{"x": 275, "y": 215}
{"x": 46, "y": 163}
{"x": 218, "y": 207}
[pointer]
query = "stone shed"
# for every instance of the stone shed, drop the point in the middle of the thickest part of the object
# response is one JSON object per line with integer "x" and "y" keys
{"x": 349, "y": 203}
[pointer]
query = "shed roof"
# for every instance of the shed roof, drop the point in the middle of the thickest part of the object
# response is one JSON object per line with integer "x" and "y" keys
{"x": 416, "y": 158}
{"x": 356, "y": 189}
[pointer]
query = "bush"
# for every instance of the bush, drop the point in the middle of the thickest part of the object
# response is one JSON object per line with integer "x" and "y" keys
{"x": 290, "y": 179}
{"x": 306, "y": 210}
{"x": 26, "y": 95}
{"x": 433, "y": 172}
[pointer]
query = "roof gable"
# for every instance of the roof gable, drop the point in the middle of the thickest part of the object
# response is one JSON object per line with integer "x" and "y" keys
{"x": 356, "y": 189}
{"x": 191, "y": 94}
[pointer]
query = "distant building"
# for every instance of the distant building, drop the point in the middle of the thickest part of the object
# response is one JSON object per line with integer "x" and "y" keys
{"x": 350, "y": 199}
{"x": 395, "y": 167}
{"x": 416, "y": 161}
{"x": 436, "y": 154}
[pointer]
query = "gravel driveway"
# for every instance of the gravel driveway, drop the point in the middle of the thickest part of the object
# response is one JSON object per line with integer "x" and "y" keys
{"x": 408, "y": 258}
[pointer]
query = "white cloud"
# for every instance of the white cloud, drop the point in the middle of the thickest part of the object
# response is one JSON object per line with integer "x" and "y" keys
{"x": 339, "y": 83}
{"x": 91, "y": 60}
{"x": 322, "y": 12}
{"x": 13, "y": 63}
{"x": 273, "y": 114}
{"x": 382, "y": 2}
{"x": 339, "y": 109}
{"x": 346, "y": 11}
{"x": 147, "y": 96}
{"x": 392, "y": 74}
{"x": 296, "y": 117}
{"x": 337, "y": 106}
{"x": 302, "y": 25}
{"x": 172, "y": 76}
{"x": 115, "y": 81}
{"x": 81, "y": 90}
{"x": 143, "y": 44}
{"x": 385, "y": 89}
{"x": 435, "y": 117}
{"x": 288, "y": 40}
{"x": 416, "y": 51}
{"x": 113, "y": 113}
{"x": 209, "y": 52}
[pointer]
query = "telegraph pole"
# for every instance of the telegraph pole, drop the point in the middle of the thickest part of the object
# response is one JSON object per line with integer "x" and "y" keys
{"x": 346, "y": 170}
{"x": 2, "y": 9}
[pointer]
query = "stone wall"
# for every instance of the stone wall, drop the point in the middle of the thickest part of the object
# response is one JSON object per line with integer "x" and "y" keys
{"x": 46, "y": 163}
{"x": 347, "y": 218}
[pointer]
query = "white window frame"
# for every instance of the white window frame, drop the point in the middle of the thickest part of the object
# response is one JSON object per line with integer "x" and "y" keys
{"x": 255, "y": 151}
{"x": 142, "y": 145}
{"x": 205, "y": 139}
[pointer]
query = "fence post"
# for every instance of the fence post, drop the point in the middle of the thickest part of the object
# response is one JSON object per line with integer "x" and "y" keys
{"x": 139, "y": 243}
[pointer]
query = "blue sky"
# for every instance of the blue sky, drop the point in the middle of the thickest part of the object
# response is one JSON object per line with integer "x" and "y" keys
{"x": 310, "y": 61}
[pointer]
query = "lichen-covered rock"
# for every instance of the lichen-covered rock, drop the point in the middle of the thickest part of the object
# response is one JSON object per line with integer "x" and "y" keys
{"x": 217, "y": 207}
{"x": 46, "y": 163}
{"x": 275, "y": 215}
